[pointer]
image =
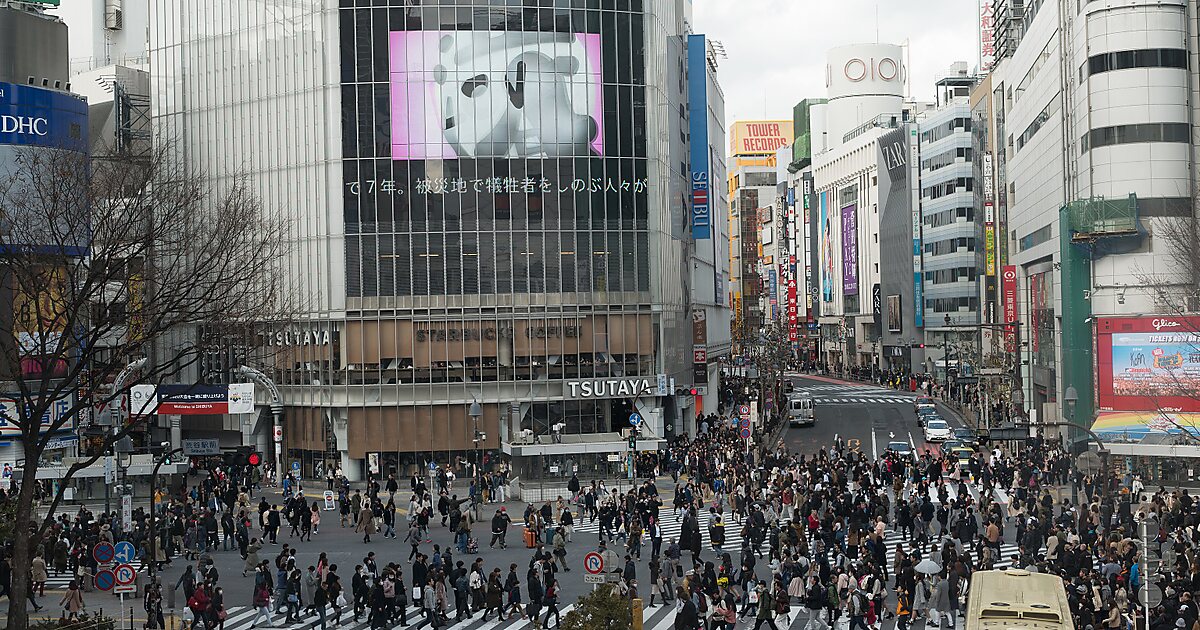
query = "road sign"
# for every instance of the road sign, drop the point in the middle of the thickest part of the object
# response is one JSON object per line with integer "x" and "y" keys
{"x": 105, "y": 580}
{"x": 124, "y": 552}
{"x": 329, "y": 502}
{"x": 593, "y": 563}
{"x": 124, "y": 574}
{"x": 125, "y": 588}
{"x": 745, "y": 423}
{"x": 278, "y": 433}
{"x": 745, "y": 433}
{"x": 593, "y": 579}
{"x": 635, "y": 418}
{"x": 201, "y": 447}
{"x": 743, "y": 410}
{"x": 103, "y": 553}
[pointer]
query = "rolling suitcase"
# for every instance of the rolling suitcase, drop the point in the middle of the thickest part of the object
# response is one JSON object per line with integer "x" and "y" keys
{"x": 530, "y": 539}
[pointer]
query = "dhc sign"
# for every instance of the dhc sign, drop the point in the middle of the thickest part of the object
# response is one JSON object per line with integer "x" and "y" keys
{"x": 35, "y": 116}
{"x": 698, "y": 126}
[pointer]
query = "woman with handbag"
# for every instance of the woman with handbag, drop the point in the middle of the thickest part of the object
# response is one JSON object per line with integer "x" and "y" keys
{"x": 217, "y": 606}
{"x": 72, "y": 602}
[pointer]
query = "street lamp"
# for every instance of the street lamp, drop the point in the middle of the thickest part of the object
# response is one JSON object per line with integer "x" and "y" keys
{"x": 276, "y": 414}
{"x": 155, "y": 539}
{"x": 1071, "y": 398}
{"x": 475, "y": 412}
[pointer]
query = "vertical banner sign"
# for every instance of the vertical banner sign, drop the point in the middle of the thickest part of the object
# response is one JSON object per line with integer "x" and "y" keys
{"x": 793, "y": 303}
{"x": 987, "y": 36}
{"x": 989, "y": 238}
{"x": 1008, "y": 286}
{"x": 850, "y": 249}
{"x": 698, "y": 125}
{"x": 826, "y": 249}
{"x": 877, "y": 304}
{"x": 699, "y": 346}
{"x": 914, "y": 150}
{"x": 773, "y": 283}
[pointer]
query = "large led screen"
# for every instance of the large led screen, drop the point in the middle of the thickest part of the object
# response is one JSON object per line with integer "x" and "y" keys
{"x": 1148, "y": 363}
{"x": 495, "y": 94}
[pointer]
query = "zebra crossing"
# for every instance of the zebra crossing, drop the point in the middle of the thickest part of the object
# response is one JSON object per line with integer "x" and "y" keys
{"x": 859, "y": 400}
{"x": 658, "y": 617}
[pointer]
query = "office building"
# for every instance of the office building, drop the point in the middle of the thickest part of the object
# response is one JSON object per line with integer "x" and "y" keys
{"x": 487, "y": 203}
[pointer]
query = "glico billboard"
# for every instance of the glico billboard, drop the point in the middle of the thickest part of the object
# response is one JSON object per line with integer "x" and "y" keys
{"x": 1148, "y": 363}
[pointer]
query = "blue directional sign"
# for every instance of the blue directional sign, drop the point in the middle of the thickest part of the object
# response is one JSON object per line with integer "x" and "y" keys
{"x": 635, "y": 418}
{"x": 105, "y": 580}
{"x": 125, "y": 553}
{"x": 296, "y": 466}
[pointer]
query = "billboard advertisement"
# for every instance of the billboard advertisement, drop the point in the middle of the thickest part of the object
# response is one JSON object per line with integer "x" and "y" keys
{"x": 33, "y": 118}
{"x": 850, "y": 250}
{"x": 1148, "y": 363}
{"x": 759, "y": 137}
{"x": 10, "y": 405}
{"x": 190, "y": 400}
{"x": 826, "y": 248}
{"x": 495, "y": 94}
{"x": 481, "y": 156}
{"x": 698, "y": 127}
{"x": 39, "y": 321}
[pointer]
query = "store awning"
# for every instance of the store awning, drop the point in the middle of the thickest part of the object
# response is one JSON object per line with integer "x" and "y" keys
{"x": 1159, "y": 433}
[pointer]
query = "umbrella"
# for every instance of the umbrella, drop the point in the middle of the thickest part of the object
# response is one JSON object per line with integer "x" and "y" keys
{"x": 927, "y": 566}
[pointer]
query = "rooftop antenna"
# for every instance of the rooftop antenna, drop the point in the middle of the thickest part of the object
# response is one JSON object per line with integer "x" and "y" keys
{"x": 876, "y": 21}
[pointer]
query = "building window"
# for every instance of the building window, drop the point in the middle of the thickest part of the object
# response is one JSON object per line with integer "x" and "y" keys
{"x": 1131, "y": 134}
{"x": 1039, "y": 121}
{"x": 1035, "y": 238}
{"x": 1126, "y": 59}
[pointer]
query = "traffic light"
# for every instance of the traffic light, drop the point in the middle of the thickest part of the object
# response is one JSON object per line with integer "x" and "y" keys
{"x": 238, "y": 458}
{"x": 254, "y": 459}
{"x": 686, "y": 391}
{"x": 633, "y": 436}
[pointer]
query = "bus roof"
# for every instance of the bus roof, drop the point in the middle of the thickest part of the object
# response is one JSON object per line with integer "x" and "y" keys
{"x": 998, "y": 598}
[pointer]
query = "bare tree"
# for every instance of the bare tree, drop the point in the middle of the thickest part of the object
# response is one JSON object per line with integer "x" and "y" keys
{"x": 1176, "y": 292}
{"x": 107, "y": 261}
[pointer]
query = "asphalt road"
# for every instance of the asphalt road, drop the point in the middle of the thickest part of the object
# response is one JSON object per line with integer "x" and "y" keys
{"x": 864, "y": 415}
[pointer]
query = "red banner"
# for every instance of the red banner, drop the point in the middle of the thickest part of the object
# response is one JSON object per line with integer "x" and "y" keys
{"x": 1008, "y": 288}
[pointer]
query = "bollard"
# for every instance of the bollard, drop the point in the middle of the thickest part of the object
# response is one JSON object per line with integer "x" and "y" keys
{"x": 637, "y": 614}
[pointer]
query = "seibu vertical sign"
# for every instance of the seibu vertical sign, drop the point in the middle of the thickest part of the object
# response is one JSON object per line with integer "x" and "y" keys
{"x": 698, "y": 126}
{"x": 1008, "y": 289}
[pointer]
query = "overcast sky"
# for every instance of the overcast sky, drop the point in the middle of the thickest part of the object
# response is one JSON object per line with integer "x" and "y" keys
{"x": 777, "y": 47}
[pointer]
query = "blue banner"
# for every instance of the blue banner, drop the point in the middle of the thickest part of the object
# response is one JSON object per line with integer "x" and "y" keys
{"x": 698, "y": 126}
{"x": 34, "y": 116}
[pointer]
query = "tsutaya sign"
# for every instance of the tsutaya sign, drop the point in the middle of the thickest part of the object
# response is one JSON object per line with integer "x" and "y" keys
{"x": 608, "y": 388}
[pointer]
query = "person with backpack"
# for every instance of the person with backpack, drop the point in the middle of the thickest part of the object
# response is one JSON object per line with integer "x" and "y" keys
{"x": 815, "y": 600}
{"x": 766, "y": 607}
{"x": 858, "y": 605}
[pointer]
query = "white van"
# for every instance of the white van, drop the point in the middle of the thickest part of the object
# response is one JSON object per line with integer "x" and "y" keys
{"x": 800, "y": 410}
